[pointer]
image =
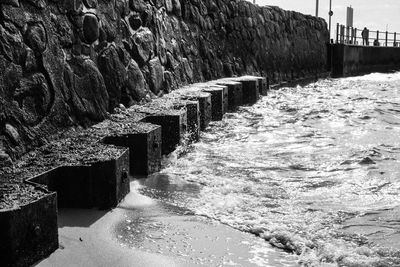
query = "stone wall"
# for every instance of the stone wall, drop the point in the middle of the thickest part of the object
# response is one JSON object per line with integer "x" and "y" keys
{"x": 69, "y": 62}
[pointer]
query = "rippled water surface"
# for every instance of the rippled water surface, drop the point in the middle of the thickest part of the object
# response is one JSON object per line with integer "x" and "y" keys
{"x": 314, "y": 170}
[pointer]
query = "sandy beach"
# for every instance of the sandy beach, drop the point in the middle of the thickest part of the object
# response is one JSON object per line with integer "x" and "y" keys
{"x": 143, "y": 231}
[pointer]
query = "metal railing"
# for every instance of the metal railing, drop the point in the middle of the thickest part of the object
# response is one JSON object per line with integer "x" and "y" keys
{"x": 351, "y": 35}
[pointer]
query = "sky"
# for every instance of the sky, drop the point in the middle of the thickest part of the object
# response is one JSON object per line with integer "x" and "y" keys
{"x": 373, "y": 14}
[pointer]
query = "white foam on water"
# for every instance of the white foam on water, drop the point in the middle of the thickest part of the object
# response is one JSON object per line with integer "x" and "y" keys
{"x": 376, "y": 77}
{"x": 134, "y": 199}
{"x": 299, "y": 165}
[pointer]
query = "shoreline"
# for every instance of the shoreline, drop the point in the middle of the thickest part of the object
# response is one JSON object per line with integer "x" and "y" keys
{"x": 146, "y": 232}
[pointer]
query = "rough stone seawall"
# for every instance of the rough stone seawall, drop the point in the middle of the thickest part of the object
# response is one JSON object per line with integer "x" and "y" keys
{"x": 68, "y": 62}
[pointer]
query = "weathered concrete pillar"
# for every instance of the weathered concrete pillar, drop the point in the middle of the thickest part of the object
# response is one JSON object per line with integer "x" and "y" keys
{"x": 193, "y": 118}
{"x": 110, "y": 179}
{"x": 235, "y": 93}
{"x": 86, "y": 175}
{"x": 205, "y": 106}
{"x": 173, "y": 127}
{"x": 225, "y": 94}
{"x": 217, "y": 102}
{"x": 29, "y": 232}
{"x": 262, "y": 85}
{"x": 144, "y": 143}
{"x": 251, "y": 91}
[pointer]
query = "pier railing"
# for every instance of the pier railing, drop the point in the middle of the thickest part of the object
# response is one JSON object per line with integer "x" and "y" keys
{"x": 351, "y": 35}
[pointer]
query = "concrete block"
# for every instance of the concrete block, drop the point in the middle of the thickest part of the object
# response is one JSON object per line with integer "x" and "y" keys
{"x": 193, "y": 118}
{"x": 205, "y": 106}
{"x": 235, "y": 93}
{"x": 144, "y": 143}
{"x": 29, "y": 232}
{"x": 262, "y": 85}
{"x": 73, "y": 185}
{"x": 251, "y": 91}
{"x": 217, "y": 102}
{"x": 225, "y": 95}
{"x": 101, "y": 181}
{"x": 173, "y": 127}
{"x": 110, "y": 180}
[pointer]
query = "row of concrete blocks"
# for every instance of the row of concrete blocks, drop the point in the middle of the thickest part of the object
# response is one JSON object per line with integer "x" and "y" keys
{"x": 91, "y": 168}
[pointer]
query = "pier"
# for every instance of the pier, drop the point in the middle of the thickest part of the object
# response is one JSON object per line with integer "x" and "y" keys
{"x": 349, "y": 55}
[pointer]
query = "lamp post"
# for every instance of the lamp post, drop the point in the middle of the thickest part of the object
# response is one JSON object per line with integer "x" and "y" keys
{"x": 330, "y": 17}
{"x": 316, "y": 8}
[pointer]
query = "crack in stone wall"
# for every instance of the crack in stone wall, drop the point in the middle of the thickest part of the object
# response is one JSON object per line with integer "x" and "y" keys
{"x": 69, "y": 62}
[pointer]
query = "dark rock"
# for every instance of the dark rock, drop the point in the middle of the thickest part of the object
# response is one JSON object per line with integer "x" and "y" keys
{"x": 34, "y": 97}
{"x": 228, "y": 70}
{"x": 148, "y": 16}
{"x": 90, "y": 28}
{"x": 135, "y": 22}
{"x": 156, "y": 75}
{"x": 90, "y": 3}
{"x": 122, "y": 7}
{"x": 109, "y": 31}
{"x": 89, "y": 97}
{"x": 63, "y": 30}
{"x": 36, "y": 37}
{"x": 114, "y": 74}
{"x": 137, "y": 5}
{"x": 73, "y": 7}
{"x": 135, "y": 84}
{"x": 366, "y": 161}
{"x": 37, "y": 3}
{"x": 168, "y": 81}
{"x": 142, "y": 45}
{"x": 162, "y": 52}
{"x": 187, "y": 69}
{"x": 177, "y": 7}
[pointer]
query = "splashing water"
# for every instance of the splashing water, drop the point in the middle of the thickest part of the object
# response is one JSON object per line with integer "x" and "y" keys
{"x": 313, "y": 170}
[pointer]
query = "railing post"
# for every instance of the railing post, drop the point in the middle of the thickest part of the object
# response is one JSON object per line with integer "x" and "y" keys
{"x": 351, "y": 35}
{"x": 342, "y": 34}
{"x": 377, "y": 36}
{"x": 337, "y": 33}
{"x": 355, "y": 35}
{"x": 394, "y": 39}
{"x": 386, "y": 39}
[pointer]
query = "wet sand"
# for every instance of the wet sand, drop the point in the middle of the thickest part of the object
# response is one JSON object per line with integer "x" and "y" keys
{"x": 144, "y": 231}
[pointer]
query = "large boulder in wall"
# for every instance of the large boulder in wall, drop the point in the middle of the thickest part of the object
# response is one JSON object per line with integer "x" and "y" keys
{"x": 156, "y": 75}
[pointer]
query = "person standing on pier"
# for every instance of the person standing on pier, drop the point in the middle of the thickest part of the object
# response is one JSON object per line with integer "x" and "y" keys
{"x": 365, "y": 35}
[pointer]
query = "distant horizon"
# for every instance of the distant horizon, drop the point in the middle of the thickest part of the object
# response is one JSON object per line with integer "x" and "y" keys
{"x": 385, "y": 13}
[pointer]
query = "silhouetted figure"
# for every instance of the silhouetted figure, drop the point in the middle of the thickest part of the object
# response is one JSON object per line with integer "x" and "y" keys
{"x": 365, "y": 35}
{"x": 376, "y": 42}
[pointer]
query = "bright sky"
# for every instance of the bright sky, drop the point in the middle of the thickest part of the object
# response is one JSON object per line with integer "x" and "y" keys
{"x": 373, "y": 14}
